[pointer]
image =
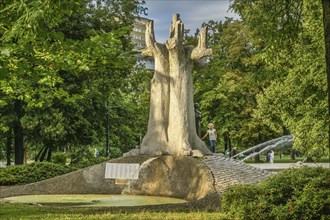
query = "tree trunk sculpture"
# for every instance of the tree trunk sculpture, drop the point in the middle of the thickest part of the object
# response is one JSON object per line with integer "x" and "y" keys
{"x": 171, "y": 128}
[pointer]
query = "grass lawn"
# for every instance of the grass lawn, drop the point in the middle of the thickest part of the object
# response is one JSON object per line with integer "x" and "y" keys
{"x": 24, "y": 211}
{"x": 287, "y": 159}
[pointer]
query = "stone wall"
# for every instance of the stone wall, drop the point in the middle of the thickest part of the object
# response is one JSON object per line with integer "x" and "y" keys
{"x": 171, "y": 176}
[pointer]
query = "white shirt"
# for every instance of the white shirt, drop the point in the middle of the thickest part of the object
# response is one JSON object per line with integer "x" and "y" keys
{"x": 212, "y": 134}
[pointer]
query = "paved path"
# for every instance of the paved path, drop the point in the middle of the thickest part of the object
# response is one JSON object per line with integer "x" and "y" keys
{"x": 281, "y": 166}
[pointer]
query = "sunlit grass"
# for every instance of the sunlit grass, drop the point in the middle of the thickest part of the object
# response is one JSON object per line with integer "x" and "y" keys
{"x": 93, "y": 200}
{"x": 22, "y": 211}
{"x": 287, "y": 159}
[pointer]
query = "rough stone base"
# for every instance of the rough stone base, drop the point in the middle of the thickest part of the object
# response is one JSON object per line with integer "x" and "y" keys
{"x": 186, "y": 177}
{"x": 227, "y": 172}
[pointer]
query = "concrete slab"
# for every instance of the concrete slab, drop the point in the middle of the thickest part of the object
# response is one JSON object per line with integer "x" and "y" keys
{"x": 281, "y": 166}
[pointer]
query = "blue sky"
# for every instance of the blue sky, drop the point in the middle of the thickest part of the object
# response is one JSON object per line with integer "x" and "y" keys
{"x": 192, "y": 12}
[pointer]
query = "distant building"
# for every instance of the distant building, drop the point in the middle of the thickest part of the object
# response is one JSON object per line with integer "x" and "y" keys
{"x": 138, "y": 39}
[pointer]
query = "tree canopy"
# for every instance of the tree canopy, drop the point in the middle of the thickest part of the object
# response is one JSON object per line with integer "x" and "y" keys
{"x": 267, "y": 76}
{"x": 64, "y": 66}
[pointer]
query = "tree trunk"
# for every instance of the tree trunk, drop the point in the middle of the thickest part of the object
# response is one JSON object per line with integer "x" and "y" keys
{"x": 50, "y": 152}
{"x": 227, "y": 143}
{"x": 107, "y": 127}
{"x": 44, "y": 153}
{"x": 9, "y": 147}
{"x": 326, "y": 23}
{"x": 257, "y": 158}
{"x": 293, "y": 154}
{"x": 18, "y": 133}
{"x": 198, "y": 118}
{"x": 38, "y": 157}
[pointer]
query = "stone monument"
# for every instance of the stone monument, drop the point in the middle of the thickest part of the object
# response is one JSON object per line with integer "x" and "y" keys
{"x": 171, "y": 128}
{"x": 171, "y": 131}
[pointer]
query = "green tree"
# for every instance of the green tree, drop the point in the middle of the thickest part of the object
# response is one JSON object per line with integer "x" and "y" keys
{"x": 60, "y": 63}
{"x": 326, "y": 25}
{"x": 228, "y": 85}
{"x": 293, "y": 39}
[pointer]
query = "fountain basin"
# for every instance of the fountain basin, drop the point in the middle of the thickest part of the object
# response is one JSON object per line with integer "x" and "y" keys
{"x": 93, "y": 200}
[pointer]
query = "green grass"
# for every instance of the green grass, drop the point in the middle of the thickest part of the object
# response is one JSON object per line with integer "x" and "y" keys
{"x": 95, "y": 200}
{"x": 24, "y": 211}
{"x": 287, "y": 159}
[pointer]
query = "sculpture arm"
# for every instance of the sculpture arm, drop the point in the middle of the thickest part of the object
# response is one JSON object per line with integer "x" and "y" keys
{"x": 201, "y": 51}
{"x": 152, "y": 47}
{"x": 176, "y": 33}
{"x": 150, "y": 40}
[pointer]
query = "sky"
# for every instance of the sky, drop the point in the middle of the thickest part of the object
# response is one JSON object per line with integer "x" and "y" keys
{"x": 192, "y": 12}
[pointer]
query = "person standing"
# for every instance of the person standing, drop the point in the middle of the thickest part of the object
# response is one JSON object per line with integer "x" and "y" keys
{"x": 271, "y": 156}
{"x": 212, "y": 133}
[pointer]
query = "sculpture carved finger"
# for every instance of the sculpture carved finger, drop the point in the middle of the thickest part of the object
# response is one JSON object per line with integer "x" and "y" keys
{"x": 201, "y": 51}
{"x": 171, "y": 128}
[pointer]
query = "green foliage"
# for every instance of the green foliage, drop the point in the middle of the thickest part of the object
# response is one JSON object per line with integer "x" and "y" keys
{"x": 85, "y": 157}
{"x": 29, "y": 173}
{"x": 115, "y": 152}
{"x": 242, "y": 196}
{"x": 276, "y": 22}
{"x": 59, "y": 158}
{"x": 86, "y": 162}
{"x": 298, "y": 99}
{"x": 266, "y": 77}
{"x": 23, "y": 211}
{"x": 227, "y": 87}
{"x": 291, "y": 194}
{"x": 64, "y": 63}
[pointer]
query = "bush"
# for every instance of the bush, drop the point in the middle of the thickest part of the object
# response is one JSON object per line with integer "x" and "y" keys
{"x": 86, "y": 162}
{"x": 115, "y": 152}
{"x": 84, "y": 158}
{"x": 59, "y": 158}
{"x": 81, "y": 156}
{"x": 29, "y": 173}
{"x": 291, "y": 194}
{"x": 245, "y": 197}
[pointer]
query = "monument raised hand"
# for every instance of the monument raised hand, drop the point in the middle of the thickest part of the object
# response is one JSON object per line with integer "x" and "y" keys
{"x": 171, "y": 128}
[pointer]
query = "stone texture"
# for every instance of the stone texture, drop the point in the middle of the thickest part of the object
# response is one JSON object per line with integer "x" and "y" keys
{"x": 133, "y": 152}
{"x": 197, "y": 153}
{"x": 171, "y": 127}
{"x": 227, "y": 172}
{"x": 193, "y": 179}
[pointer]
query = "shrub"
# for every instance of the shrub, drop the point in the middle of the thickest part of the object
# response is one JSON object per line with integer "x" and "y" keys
{"x": 84, "y": 158}
{"x": 115, "y": 152}
{"x": 82, "y": 155}
{"x": 291, "y": 194}
{"x": 29, "y": 173}
{"x": 86, "y": 162}
{"x": 59, "y": 158}
{"x": 241, "y": 201}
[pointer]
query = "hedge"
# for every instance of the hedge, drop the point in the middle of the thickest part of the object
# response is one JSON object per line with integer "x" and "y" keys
{"x": 302, "y": 193}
